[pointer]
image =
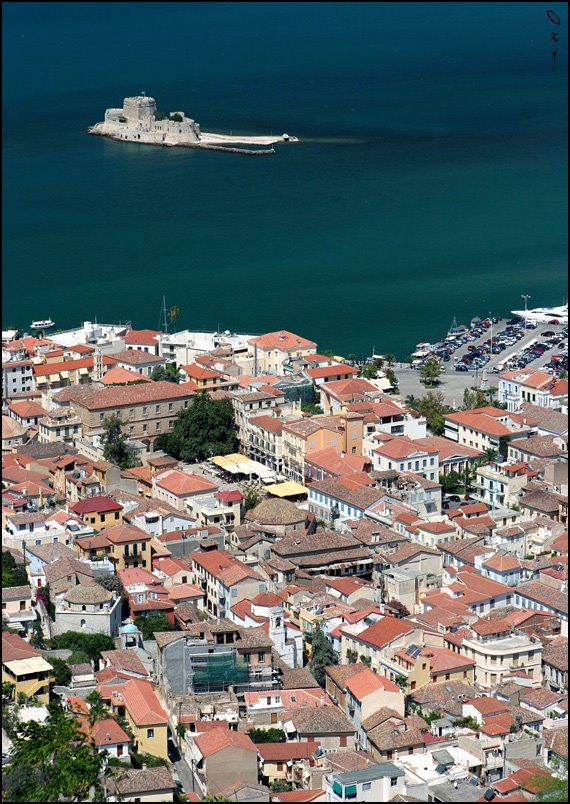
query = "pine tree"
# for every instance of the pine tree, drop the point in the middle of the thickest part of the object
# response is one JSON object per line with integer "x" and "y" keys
{"x": 322, "y": 654}
{"x": 115, "y": 446}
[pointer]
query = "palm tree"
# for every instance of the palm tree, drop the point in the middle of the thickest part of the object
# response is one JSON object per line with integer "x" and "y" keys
{"x": 490, "y": 455}
{"x": 173, "y": 313}
{"x": 390, "y": 359}
{"x": 412, "y": 401}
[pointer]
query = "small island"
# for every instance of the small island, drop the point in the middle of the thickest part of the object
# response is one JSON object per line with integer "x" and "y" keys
{"x": 140, "y": 121}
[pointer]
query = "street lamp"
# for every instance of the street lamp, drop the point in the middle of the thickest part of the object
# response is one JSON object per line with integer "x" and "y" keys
{"x": 526, "y": 298}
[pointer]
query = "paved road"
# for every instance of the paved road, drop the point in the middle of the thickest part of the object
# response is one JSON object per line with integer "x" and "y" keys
{"x": 453, "y": 383}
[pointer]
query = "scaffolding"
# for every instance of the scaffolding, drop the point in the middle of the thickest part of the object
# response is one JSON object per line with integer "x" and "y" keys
{"x": 216, "y": 672}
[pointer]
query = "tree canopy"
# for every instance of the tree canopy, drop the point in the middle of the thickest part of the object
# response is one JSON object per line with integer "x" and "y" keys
{"x": 114, "y": 441}
{"x": 12, "y": 574}
{"x": 54, "y": 761}
{"x": 433, "y": 407}
{"x": 204, "y": 429}
{"x": 322, "y": 654}
{"x": 156, "y": 622}
{"x": 91, "y": 644}
{"x": 267, "y": 735}
{"x": 430, "y": 372}
{"x": 167, "y": 373}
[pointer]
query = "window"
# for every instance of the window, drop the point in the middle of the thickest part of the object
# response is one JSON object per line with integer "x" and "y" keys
{"x": 150, "y": 733}
{"x": 82, "y": 623}
{"x": 120, "y": 750}
{"x": 393, "y": 782}
{"x": 367, "y": 786}
{"x": 261, "y": 656}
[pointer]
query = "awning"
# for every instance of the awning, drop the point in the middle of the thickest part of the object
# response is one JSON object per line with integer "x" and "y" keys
{"x": 288, "y": 489}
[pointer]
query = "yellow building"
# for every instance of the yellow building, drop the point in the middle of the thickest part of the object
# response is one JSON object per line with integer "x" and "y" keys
{"x": 25, "y": 668}
{"x": 124, "y": 545}
{"x": 344, "y": 432}
{"x": 99, "y": 512}
{"x": 136, "y": 700}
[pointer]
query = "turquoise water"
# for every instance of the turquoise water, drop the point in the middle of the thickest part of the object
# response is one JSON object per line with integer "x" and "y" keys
{"x": 430, "y": 181}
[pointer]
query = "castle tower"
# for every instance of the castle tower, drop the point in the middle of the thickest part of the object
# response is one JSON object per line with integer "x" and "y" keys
{"x": 139, "y": 109}
{"x": 97, "y": 365}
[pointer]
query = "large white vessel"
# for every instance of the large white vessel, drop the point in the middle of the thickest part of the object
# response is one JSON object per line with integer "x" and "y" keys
{"x": 45, "y": 323}
{"x": 545, "y": 315}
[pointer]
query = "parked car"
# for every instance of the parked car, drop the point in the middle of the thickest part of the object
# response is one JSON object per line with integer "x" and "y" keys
{"x": 454, "y": 498}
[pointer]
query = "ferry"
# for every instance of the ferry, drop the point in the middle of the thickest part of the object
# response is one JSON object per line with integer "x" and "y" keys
{"x": 545, "y": 315}
{"x": 44, "y": 324}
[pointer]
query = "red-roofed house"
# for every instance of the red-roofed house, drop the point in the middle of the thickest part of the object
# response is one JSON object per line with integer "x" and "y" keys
{"x": 332, "y": 373}
{"x": 329, "y": 463}
{"x": 220, "y": 758}
{"x": 334, "y": 396}
{"x": 274, "y": 349}
{"x": 534, "y": 387}
{"x": 366, "y": 693}
{"x": 122, "y": 376}
{"x": 136, "y": 700}
{"x": 177, "y": 488}
{"x": 224, "y": 579}
{"x": 502, "y": 567}
{"x": 380, "y": 642}
{"x": 99, "y": 512}
{"x": 143, "y": 340}
{"x": 285, "y": 761}
{"x": 402, "y": 454}
{"x": 107, "y": 736}
{"x": 483, "y": 428}
{"x": 204, "y": 378}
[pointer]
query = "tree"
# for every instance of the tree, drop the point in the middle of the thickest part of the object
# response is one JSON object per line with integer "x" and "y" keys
{"x": 553, "y": 789}
{"x": 432, "y": 406}
{"x": 504, "y": 446}
{"x": 78, "y": 657}
{"x": 449, "y": 482}
{"x": 156, "y": 622}
{"x": 322, "y": 654}
{"x": 267, "y": 736}
{"x": 37, "y": 637}
{"x": 401, "y": 610}
{"x": 60, "y": 762}
{"x": 113, "y": 584}
{"x": 204, "y": 429}
{"x": 430, "y": 372}
{"x": 97, "y": 709}
{"x": 167, "y": 373}
{"x": 12, "y": 574}
{"x": 176, "y": 118}
{"x": 280, "y": 786}
{"x": 474, "y": 398}
{"x": 115, "y": 446}
{"x": 369, "y": 371}
{"x": 402, "y": 682}
{"x": 412, "y": 401}
{"x": 61, "y": 672}
{"x": 252, "y": 498}
{"x": 390, "y": 375}
{"x": 390, "y": 359}
{"x": 490, "y": 455}
{"x": 44, "y": 594}
{"x": 92, "y": 644}
{"x": 312, "y": 408}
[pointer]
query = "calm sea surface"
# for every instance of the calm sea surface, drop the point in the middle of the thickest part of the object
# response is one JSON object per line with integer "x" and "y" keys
{"x": 430, "y": 182}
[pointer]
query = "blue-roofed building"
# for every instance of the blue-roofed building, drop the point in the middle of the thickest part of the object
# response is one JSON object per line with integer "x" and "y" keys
{"x": 377, "y": 783}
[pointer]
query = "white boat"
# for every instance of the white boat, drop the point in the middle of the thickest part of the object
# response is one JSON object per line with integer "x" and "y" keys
{"x": 44, "y": 324}
{"x": 544, "y": 315}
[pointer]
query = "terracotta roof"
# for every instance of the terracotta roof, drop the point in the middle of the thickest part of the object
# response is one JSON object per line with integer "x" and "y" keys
{"x": 325, "y": 720}
{"x": 118, "y": 376}
{"x": 384, "y": 631}
{"x": 282, "y": 752}
{"x": 197, "y": 372}
{"x": 95, "y": 505}
{"x": 104, "y": 732}
{"x": 180, "y": 483}
{"x": 541, "y": 698}
{"x": 126, "y": 660}
{"x": 89, "y": 594}
{"x": 276, "y": 512}
{"x": 282, "y": 340}
{"x": 122, "y": 534}
{"x": 64, "y": 566}
{"x": 497, "y": 725}
{"x": 118, "y": 396}
{"x": 46, "y": 369}
{"x": 336, "y": 369}
{"x": 15, "y": 648}
{"x": 555, "y": 654}
{"x": 149, "y": 780}
{"x": 487, "y": 706}
{"x": 27, "y": 410}
{"x": 139, "y": 699}
{"x": 547, "y": 595}
{"x": 212, "y": 742}
{"x": 502, "y": 563}
{"x": 267, "y": 599}
{"x": 224, "y": 566}
{"x": 337, "y": 463}
{"x": 144, "y": 337}
{"x": 341, "y": 673}
{"x": 366, "y": 682}
{"x": 345, "y": 389}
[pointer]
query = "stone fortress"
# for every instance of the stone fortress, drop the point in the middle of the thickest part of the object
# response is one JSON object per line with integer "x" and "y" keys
{"x": 140, "y": 121}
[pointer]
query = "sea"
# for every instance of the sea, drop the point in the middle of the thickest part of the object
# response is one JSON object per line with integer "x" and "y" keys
{"x": 429, "y": 182}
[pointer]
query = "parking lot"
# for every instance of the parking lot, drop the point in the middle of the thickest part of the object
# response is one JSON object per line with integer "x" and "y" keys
{"x": 471, "y": 352}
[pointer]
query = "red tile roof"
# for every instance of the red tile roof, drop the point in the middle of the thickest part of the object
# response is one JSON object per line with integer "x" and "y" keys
{"x": 271, "y": 423}
{"x": 488, "y": 706}
{"x": 180, "y": 483}
{"x": 283, "y": 752}
{"x": 122, "y": 534}
{"x": 15, "y": 648}
{"x": 118, "y": 376}
{"x": 282, "y": 340}
{"x": 143, "y": 337}
{"x": 139, "y": 699}
{"x": 502, "y": 563}
{"x": 337, "y": 369}
{"x": 366, "y": 682}
{"x": 118, "y": 396}
{"x": 95, "y": 505}
{"x": 384, "y": 631}
{"x": 104, "y": 732}
{"x": 219, "y": 739}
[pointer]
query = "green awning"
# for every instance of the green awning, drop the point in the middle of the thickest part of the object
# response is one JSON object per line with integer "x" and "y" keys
{"x": 350, "y": 791}
{"x": 337, "y": 789}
